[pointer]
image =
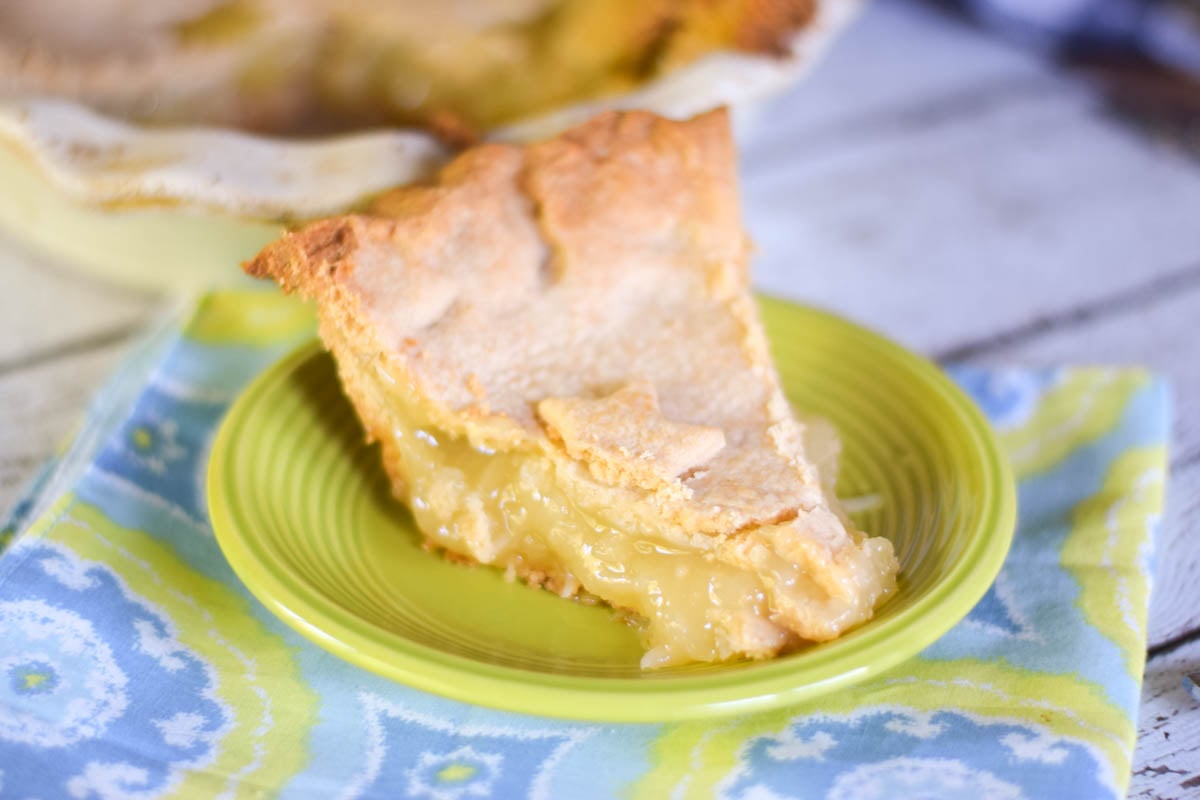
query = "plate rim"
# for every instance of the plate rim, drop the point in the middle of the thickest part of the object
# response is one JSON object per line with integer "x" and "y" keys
{"x": 677, "y": 698}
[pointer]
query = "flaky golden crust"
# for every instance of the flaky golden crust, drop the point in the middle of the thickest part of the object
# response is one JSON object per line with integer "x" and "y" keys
{"x": 587, "y": 299}
{"x": 624, "y": 438}
{"x": 545, "y": 273}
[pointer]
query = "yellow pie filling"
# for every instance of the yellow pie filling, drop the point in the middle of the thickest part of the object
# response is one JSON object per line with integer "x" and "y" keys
{"x": 509, "y": 509}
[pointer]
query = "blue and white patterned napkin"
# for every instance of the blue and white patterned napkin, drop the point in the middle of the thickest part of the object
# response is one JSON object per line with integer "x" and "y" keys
{"x": 134, "y": 664}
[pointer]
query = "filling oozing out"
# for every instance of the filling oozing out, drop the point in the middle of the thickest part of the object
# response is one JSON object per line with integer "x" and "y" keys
{"x": 506, "y": 509}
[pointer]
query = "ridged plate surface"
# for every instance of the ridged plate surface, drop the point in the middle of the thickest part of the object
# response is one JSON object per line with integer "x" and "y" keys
{"x": 301, "y": 509}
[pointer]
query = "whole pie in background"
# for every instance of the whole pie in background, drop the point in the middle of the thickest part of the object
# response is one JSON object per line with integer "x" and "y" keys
{"x": 557, "y": 350}
{"x": 311, "y": 66}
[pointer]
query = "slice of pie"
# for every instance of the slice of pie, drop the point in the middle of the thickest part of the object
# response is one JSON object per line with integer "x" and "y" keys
{"x": 558, "y": 352}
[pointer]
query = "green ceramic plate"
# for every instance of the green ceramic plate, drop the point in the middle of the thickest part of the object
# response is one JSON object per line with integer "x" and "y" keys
{"x": 301, "y": 509}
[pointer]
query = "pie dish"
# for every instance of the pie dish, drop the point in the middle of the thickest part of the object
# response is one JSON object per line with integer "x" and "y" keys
{"x": 556, "y": 348}
{"x": 302, "y": 509}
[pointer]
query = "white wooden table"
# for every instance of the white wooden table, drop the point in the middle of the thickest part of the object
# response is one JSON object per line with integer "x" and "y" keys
{"x": 962, "y": 196}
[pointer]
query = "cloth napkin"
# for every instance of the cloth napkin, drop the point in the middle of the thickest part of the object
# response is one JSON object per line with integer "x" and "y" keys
{"x": 133, "y": 663}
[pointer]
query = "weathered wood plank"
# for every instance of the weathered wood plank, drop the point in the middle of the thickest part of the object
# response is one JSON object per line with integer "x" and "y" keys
{"x": 60, "y": 334}
{"x": 1155, "y": 329}
{"x": 976, "y": 225}
{"x": 1167, "y": 761}
{"x": 897, "y": 56}
{"x": 42, "y": 406}
{"x": 1158, "y": 331}
{"x": 1175, "y": 602}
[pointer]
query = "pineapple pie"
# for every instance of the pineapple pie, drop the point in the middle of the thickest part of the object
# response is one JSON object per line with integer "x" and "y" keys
{"x": 558, "y": 352}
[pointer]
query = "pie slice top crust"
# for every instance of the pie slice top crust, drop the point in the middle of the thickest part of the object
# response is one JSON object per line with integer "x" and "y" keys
{"x": 556, "y": 347}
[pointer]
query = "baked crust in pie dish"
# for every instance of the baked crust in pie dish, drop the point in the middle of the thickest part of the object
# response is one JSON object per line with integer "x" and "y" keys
{"x": 308, "y": 66}
{"x": 557, "y": 350}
